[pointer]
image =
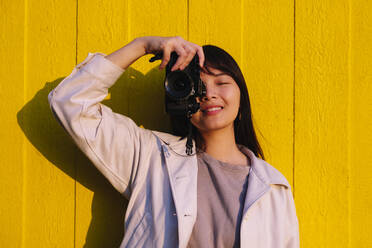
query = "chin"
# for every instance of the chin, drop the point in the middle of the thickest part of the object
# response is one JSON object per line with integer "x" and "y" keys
{"x": 212, "y": 127}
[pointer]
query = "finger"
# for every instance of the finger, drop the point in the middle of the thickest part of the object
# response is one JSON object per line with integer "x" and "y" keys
{"x": 190, "y": 55}
{"x": 200, "y": 52}
{"x": 181, "y": 58}
{"x": 166, "y": 57}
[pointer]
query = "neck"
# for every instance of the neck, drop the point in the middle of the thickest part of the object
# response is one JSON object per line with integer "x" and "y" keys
{"x": 221, "y": 145}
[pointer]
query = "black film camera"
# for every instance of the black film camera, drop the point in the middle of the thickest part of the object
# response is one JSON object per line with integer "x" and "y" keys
{"x": 182, "y": 87}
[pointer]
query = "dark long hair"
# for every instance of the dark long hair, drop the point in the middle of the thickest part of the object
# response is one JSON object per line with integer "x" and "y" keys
{"x": 219, "y": 59}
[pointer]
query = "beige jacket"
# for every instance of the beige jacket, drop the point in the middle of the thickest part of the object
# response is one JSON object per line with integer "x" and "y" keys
{"x": 152, "y": 170}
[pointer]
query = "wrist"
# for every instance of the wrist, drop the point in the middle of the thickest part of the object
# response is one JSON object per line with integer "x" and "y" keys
{"x": 141, "y": 44}
{"x": 128, "y": 54}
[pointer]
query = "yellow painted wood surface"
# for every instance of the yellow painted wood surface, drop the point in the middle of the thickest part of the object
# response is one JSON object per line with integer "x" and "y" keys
{"x": 308, "y": 71}
{"x": 267, "y": 62}
{"x": 360, "y": 123}
{"x": 12, "y": 38}
{"x": 49, "y": 180}
{"x": 321, "y": 121}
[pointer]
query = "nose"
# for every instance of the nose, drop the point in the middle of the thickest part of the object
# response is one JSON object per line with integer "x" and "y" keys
{"x": 210, "y": 92}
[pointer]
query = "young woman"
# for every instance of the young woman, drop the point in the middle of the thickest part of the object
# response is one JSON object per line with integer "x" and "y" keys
{"x": 223, "y": 195}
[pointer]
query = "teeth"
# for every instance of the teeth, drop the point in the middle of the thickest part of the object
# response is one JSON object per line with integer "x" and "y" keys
{"x": 213, "y": 109}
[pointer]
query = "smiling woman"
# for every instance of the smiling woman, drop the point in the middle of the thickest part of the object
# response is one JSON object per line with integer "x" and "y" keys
{"x": 225, "y": 118}
{"x": 224, "y": 195}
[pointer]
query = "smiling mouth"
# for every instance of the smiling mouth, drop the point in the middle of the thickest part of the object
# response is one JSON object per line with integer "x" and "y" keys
{"x": 213, "y": 109}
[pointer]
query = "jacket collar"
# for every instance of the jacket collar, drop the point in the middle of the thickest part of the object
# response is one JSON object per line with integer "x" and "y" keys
{"x": 176, "y": 143}
{"x": 261, "y": 176}
{"x": 265, "y": 172}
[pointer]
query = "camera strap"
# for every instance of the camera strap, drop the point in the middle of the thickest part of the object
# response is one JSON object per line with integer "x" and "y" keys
{"x": 189, "y": 143}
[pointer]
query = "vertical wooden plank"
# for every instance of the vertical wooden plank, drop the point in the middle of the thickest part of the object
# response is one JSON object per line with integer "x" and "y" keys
{"x": 49, "y": 173}
{"x": 163, "y": 18}
{"x": 267, "y": 61}
{"x": 144, "y": 81}
{"x": 360, "y": 124}
{"x": 11, "y": 145}
{"x": 217, "y": 23}
{"x": 102, "y": 27}
{"x": 321, "y": 122}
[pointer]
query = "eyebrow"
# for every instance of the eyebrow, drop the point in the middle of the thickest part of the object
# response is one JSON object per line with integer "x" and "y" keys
{"x": 216, "y": 75}
{"x": 221, "y": 74}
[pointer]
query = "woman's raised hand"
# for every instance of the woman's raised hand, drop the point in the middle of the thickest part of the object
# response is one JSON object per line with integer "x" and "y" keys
{"x": 186, "y": 50}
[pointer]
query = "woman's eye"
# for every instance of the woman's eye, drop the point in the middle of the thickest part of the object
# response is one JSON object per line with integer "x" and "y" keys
{"x": 222, "y": 83}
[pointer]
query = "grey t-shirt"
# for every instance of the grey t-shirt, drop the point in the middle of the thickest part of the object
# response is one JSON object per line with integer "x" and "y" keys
{"x": 221, "y": 193}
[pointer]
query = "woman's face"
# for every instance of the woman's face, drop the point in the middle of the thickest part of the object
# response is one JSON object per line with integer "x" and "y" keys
{"x": 220, "y": 106}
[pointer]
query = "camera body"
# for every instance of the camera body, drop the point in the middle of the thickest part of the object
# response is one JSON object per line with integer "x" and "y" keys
{"x": 182, "y": 87}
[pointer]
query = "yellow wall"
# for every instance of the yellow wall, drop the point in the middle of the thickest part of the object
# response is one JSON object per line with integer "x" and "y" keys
{"x": 308, "y": 69}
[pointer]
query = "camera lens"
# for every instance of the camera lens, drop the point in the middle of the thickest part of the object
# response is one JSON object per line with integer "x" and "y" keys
{"x": 178, "y": 85}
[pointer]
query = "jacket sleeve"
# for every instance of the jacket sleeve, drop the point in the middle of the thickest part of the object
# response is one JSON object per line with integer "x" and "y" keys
{"x": 113, "y": 142}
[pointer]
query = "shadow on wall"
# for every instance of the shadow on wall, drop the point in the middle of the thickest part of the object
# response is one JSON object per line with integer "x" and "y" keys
{"x": 139, "y": 96}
